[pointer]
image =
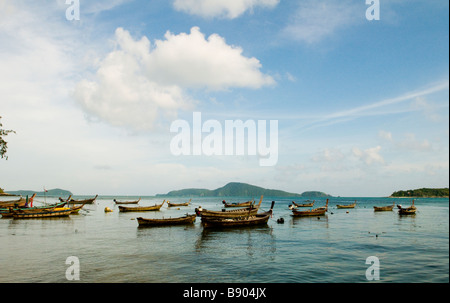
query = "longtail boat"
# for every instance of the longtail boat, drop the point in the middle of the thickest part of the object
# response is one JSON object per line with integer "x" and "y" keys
{"x": 169, "y": 204}
{"x": 8, "y": 212}
{"x": 46, "y": 213}
{"x": 243, "y": 221}
{"x": 384, "y": 208}
{"x": 237, "y": 204}
{"x": 85, "y": 201}
{"x": 127, "y": 202}
{"x": 66, "y": 200}
{"x": 408, "y": 210}
{"x": 347, "y": 206}
{"x": 304, "y": 205}
{"x": 16, "y": 203}
{"x": 251, "y": 210}
{"x": 188, "y": 219}
{"x": 141, "y": 208}
{"x": 312, "y": 212}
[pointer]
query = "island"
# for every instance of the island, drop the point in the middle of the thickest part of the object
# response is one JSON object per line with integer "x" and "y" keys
{"x": 236, "y": 189}
{"x": 422, "y": 193}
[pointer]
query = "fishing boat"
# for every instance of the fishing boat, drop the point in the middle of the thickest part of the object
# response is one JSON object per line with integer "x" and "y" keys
{"x": 320, "y": 211}
{"x": 16, "y": 203}
{"x": 169, "y": 204}
{"x": 237, "y": 204}
{"x": 384, "y": 208}
{"x": 65, "y": 200}
{"x": 347, "y": 206}
{"x": 45, "y": 213}
{"x": 251, "y": 210}
{"x": 311, "y": 204}
{"x": 127, "y": 202}
{"x": 188, "y": 219}
{"x": 155, "y": 207}
{"x": 242, "y": 221}
{"x": 85, "y": 201}
{"x": 8, "y": 212}
{"x": 408, "y": 210}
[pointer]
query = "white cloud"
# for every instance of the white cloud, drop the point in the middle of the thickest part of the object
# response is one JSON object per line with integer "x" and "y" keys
{"x": 221, "y": 8}
{"x": 136, "y": 82}
{"x": 385, "y": 135}
{"x": 369, "y": 156}
{"x": 411, "y": 143}
{"x": 317, "y": 19}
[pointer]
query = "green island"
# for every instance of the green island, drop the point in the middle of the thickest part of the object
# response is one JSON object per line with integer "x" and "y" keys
{"x": 56, "y": 192}
{"x": 422, "y": 193}
{"x": 236, "y": 189}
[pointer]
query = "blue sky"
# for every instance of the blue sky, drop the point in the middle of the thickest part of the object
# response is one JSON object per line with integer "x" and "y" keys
{"x": 362, "y": 106}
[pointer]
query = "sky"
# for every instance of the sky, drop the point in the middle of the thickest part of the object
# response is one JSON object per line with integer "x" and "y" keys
{"x": 92, "y": 89}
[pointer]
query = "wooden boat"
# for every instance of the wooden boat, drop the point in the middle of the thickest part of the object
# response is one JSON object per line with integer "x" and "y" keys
{"x": 251, "y": 210}
{"x": 127, "y": 202}
{"x": 141, "y": 208}
{"x": 178, "y": 204}
{"x": 8, "y": 212}
{"x": 85, "y": 201}
{"x": 46, "y": 213}
{"x": 347, "y": 206}
{"x": 320, "y": 211}
{"x": 304, "y": 205}
{"x": 408, "y": 210}
{"x": 66, "y": 200}
{"x": 237, "y": 204}
{"x": 384, "y": 208}
{"x": 242, "y": 221}
{"x": 16, "y": 203}
{"x": 188, "y": 219}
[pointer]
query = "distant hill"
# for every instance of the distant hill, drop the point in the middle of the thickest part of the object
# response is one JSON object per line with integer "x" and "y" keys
{"x": 57, "y": 192}
{"x": 235, "y": 189}
{"x": 422, "y": 193}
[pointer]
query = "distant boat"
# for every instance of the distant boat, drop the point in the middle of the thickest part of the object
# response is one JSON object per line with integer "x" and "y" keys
{"x": 347, "y": 206}
{"x": 237, "y": 204}
{"x": 251, "y": 210}
{"x": 384, "y": 208}
{"x": 85, "y": 201}
{"x": 242, "y": 221}
{"x": 188, "y": 219}
{"x": 127, "y": 202}
{"x": 320, "y": 211}
{"x": 408, "y": 210}
{"x": 178, "y": 204}
{"x": 304, "y": 205}
{"x": 155, "y": 207}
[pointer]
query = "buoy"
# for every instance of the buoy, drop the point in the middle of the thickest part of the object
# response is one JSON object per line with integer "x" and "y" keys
{"x": 108, "y": 210}
{"x": 280, "y": 220}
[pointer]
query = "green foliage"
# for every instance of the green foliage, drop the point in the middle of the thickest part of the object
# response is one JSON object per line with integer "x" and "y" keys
{"x": 422, "y": 192}
{"x": 3, "y": 143}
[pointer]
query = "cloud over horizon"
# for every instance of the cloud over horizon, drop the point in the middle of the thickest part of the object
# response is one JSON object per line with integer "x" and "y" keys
{"x": 138, "y": 81}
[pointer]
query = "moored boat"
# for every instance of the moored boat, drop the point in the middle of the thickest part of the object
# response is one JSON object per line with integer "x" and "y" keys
{"x": 311, "y": 204}
{"x": 85, "y": 201}
{"x": 46, "y": 213}
{"x": 188, "y": 219}
{"x": 8, "y": 212}
{"x": 127, "y": 202}
{"x": 242, "y": 221}
{"x": 407, "y": 210}
{"x": 155, "y": 207}
{"x": 16, "y": 203}
{"x": 320, "y": 211}
{"x": 384, "y": 208}
{"x": 238, "y": 204}
{"x": 251, "y": 210}
{"x": 169, "y": 204}
{"x": 347, "y": 206}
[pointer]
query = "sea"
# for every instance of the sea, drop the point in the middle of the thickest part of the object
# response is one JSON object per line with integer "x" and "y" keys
{"x": 344, "y": 246}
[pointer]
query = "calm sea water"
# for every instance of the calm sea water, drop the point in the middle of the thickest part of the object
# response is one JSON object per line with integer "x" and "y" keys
{"x": 112, "y": 248}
